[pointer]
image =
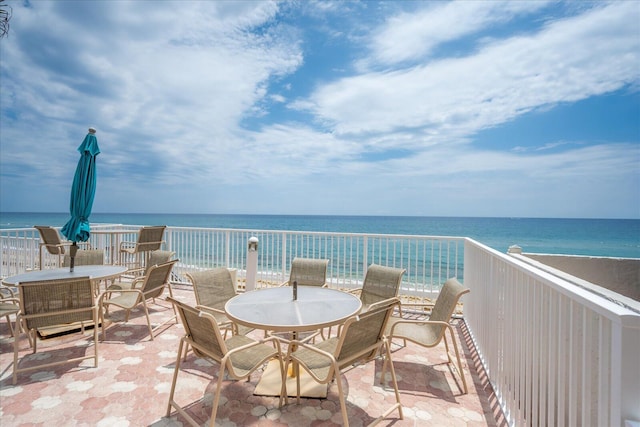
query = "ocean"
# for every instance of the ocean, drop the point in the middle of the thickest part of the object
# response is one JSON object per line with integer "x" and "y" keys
{"x": 594, "y": 237}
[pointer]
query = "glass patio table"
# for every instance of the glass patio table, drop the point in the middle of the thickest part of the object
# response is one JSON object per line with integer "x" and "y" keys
{"x": 94, "y": 272}
{"x": 274, "y": 309}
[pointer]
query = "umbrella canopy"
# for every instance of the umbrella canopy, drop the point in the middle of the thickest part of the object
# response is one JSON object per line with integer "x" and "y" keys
{"x": 83, "y": 191}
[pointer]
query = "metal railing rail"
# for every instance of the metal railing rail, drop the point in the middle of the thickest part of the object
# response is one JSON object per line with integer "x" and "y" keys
{"x": 555, "y": 354}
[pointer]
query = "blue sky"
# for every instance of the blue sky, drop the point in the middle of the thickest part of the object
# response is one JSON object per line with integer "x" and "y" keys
{"x": 471, "y": 108}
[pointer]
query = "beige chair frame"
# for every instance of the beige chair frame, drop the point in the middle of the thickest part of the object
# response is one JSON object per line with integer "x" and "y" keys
{"x": 238, "y": 356}
{"x": 429, "y": 333}
{"x": 52, "y": 242}
{"x": 380, "y": 283}
{"x": 148, "y": 287}
{"x": 308, "y": 272}
{"x": 360, "y": 339}
{"x": 58, "y": 302}
{"x": 212, "y": 289}
{"x": 150, "y": 238}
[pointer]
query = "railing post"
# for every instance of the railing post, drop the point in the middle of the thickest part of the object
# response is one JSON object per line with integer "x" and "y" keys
{"x": 252, "y": 263}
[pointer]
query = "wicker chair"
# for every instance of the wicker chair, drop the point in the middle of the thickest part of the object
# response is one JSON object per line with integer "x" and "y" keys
{"x": 308, "y": 272}
{"x": 380, "y": 283}
{"x": 429, "y": 333}
{"x": 213, "y": 288}
{"x": 149, "y": 239}
{"x": 148, "y": 287}
{"x": 52, "y": 242}
{"x": 58, "y": 302}
{"x": 360, "y": 339}
{"x": 238, "y": 356}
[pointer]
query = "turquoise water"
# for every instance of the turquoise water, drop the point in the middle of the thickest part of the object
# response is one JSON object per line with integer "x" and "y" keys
{"x": 597, "y": 237}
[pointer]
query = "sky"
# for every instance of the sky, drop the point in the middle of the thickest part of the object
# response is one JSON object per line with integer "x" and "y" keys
{"x": 409, "y": 108}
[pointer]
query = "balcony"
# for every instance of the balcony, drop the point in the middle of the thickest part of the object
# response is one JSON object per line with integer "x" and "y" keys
{"x": 539, "y": 349}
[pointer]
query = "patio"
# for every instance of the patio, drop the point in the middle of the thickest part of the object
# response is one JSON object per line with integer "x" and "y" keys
{"x": 131, "y": 384}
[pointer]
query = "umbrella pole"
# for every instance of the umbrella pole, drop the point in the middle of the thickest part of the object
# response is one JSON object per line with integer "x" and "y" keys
{"x": 72, "y": 253}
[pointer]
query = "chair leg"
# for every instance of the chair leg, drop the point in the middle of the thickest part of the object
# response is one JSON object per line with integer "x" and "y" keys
{"x": 216, "y": 396}
{"x": 459, "y": 366}
{"x": 146, "y": 313}
{"x": 337, "y": 377}
{"x": 175, "y": 378}
{"x": 387, "y": 346}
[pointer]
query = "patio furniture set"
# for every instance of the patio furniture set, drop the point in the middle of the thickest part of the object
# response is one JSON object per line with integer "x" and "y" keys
{"x": 220, "y": 326}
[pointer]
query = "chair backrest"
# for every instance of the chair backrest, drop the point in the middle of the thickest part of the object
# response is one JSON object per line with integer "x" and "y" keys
{"x": 85, "y": 257}
{"x": 213, "y": 287}
{"x": 446, "y": 302}
{"x": 150, "y": 238}
{"x": 308, "y": 271}
{"x": 361, "y": 336}
{"x": 201, "y": 329}
{"x": 157, "y": 277}
{"x": 56, "y": 302}
{"x": 159, "y": 257}
{"x": 51, "y": 239}
{"x": 380, "y": 283}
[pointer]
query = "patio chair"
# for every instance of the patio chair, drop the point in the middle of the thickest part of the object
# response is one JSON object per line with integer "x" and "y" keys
{"x": 156, "y": 257}
{"x": 49, "y": 303}
{"x": 380, "y": 283}
{"x": 213, "y": 288}
{"x": 9, "y": 306}
{"x": 148, "y": 287}
{"x": 149, "y": 239}
{"x": 308, "y": 272}
{"x": 429, "y": 333}
{"x": 85, "y": 257}
{"x": 52, "y": 242}
{"x": 238, "y": 356}
{"x": 360, "y": 339}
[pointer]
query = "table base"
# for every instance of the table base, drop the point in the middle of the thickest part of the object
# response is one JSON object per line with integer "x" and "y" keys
{"x": 271, "y": 380}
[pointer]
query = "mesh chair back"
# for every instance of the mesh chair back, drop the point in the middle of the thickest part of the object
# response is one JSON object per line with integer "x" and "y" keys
{"x": 213, "y": 288}
{"x": 362, "y": 334}
{"x": 446, "y": 303}
{"x": 159, "y": 257}
{"x": 150, "y": 238}
{"x": 308, "y": 272}
{"x": 85, "y": 257}
{"x": 380, "y": 283}
{"x": 156, "y": 279}
{"x": 51, "y": 239}
{"x": 202, "y": 331}
{"x": 56, "y": 302}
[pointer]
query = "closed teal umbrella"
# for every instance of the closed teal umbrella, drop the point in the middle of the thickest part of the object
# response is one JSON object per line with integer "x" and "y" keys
{"x": 83, "y": 191}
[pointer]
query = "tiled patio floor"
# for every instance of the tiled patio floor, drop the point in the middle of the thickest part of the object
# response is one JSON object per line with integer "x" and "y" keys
{"x": 130, "y": 386}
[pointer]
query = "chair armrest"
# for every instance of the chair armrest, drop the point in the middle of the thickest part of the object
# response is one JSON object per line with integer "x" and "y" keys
{"x": 209, "y": 309}
{"x": 127, "y": 245}
{"x": 354, "y": 291}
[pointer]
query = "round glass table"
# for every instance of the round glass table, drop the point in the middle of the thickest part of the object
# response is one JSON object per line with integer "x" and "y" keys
{"x": 94, "y": 272}
{"x": 274, "y": 309}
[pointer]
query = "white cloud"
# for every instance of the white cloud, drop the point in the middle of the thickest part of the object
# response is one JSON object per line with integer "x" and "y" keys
{"x": 569, "y": 60}
{"x": 181, "y": 92}
{"x": 414, "y": 35}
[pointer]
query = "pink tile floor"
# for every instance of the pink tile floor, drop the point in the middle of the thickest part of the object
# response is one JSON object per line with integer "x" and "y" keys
{"x": 130, "y": 387}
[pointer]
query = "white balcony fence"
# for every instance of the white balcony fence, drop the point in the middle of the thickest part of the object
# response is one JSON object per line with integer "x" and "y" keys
{"x": 555, "y": 354}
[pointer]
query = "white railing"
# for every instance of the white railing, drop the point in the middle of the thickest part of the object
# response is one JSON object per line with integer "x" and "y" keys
{"x": 556, "y": 354}
{"x": 429, "y": 260}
